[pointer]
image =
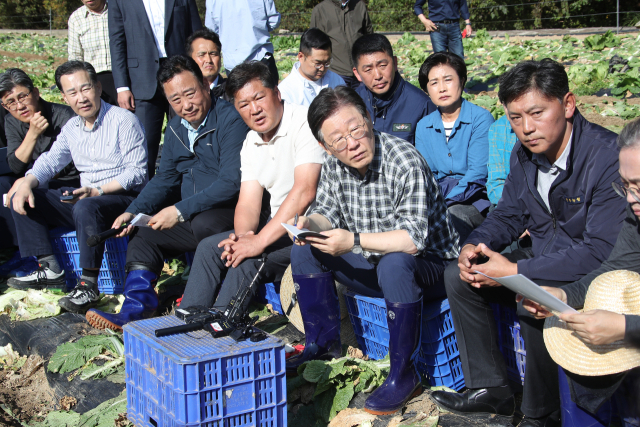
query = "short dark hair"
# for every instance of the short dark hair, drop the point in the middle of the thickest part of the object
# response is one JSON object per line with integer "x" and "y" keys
{"x": 71, "y": 67}
{"x": 630, "y": 135}
{"x": 442, "y": 58}
{"x": 246, "y": 72}
{"x": 206, "y": 34}
{"x": 328, "y": 102}
{"x": 547, "y": 77}
{"x": 314, "y": 38}
{"x": 370, "y": 43}
{"x": 176, "y": 65}
{"x": 13, "y": 77}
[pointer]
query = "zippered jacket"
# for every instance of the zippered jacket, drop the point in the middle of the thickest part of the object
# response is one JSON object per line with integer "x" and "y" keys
{"x": 578, "y": 233}
{"x": 401, "y": 111}
{"x": 343, "y": 25}
{"x": 205, "y": 179}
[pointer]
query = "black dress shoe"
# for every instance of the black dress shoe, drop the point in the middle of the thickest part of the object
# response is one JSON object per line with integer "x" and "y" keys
{"x": 477, "y": 401}
{"x": 551, "y": 420}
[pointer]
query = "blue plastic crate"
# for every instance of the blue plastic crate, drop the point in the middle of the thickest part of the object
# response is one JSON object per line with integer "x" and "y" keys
{"x": 112, "y": 271}
{"x": 439, "y": 357}
{"x": 193, "y": 379}
{"x": 510, "y": 341}
{"x": 269, "y": 293}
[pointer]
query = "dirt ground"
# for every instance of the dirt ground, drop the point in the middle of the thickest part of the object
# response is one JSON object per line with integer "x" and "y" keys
{"x": 25, "y": 394}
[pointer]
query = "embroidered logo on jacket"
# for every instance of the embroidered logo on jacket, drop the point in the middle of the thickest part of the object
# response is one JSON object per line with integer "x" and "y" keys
{"x": 573, "y": 200}
{"x": 402, "y": 127}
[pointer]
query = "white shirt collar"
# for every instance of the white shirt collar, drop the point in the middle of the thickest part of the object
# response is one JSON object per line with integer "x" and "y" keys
{"x": 215, "y": 82}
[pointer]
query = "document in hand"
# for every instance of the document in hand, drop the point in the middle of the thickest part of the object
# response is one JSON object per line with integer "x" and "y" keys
{"x": 141, "y": 220}
{"x": 525, "y": 287}
{"x": 303, "y": 233}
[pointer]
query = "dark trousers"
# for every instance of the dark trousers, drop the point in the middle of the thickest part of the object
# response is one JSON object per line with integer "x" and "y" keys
{"x": 465, "y": 219}
{"x": 351, "y": 81}
{"x": 270, "y": 61}
{"x": 109, "y": 92}
{"x": 208, "y": 272}
{"x": 477, "y": 334}
{"x": 87, "y": 216}
{"x": 448, "y": 38}
{"x": 151, "y": 114}
{"x": 150, "y": 247}
{"x": 8, "y": 233}
{"x": 398, "y": 277}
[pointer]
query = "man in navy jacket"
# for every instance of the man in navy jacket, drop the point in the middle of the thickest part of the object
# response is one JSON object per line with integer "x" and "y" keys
{"x": 143, "y": 34}
{"x": 395, "y": 106}
{"x": 559, "y": 190}
{"x": 200, "y": 168}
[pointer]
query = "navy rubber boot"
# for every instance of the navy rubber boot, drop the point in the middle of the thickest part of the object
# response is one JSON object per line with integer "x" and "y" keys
{"x": 141, "y": 301}
{"x": 320, "y": 311}
{"x": 403, "y": 382}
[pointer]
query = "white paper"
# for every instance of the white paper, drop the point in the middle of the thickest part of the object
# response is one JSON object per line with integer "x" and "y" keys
{"x": 141, "y": 220}
{"x": 525, "y": 287}
{"x": 4, "y": 200}
{"x": 302, "y": 233}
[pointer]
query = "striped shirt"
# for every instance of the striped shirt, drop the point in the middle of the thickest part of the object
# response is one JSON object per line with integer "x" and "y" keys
{"x": 89, "y": 38}
{"x": 115, "y": 149}
{"x": 398, "y": 192}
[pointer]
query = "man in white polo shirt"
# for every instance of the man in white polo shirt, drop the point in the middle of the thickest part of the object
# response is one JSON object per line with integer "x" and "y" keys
{"x": 279, "y": 155}
{"x": 311, "y": 73}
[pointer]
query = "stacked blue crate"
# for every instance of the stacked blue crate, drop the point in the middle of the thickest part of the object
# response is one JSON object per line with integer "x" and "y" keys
{"x": 439, "y": 358}
{"x": 112, "y": 271}
{"x": 510, "y": 341}
{"x": 193, "y": 379}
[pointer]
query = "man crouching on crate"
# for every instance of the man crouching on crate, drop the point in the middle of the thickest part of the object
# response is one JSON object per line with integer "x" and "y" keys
{"x": 559, "y": 189}
{"x": 388, "y": 234}
{"x": 280, "y": 161}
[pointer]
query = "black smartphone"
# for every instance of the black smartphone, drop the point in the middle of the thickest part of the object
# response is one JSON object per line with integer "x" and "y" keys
{"x": 68, "y": 198}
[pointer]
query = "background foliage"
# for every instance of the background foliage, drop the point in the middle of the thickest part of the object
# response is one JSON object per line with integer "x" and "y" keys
{"x": 387, "y": 15}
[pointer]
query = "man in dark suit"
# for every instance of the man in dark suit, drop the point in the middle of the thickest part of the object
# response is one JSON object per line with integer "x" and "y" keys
{"x": 142, "y": 34}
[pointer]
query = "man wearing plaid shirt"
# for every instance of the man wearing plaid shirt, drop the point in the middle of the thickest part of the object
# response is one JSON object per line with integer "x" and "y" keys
{"x": 386, "y": 232}
{"x": 89, "y": 42}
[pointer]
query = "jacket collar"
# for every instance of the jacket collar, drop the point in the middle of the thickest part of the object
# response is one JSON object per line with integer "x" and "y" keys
{"x": 434, "y": 120}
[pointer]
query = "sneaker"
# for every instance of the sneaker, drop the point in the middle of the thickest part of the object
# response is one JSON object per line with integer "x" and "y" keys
{"x": 42, "y": 278}
{"x": 80, "y": 299}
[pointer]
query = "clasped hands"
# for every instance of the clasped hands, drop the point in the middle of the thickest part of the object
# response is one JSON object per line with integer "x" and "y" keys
{"x": 480, "y": 258}
{"x": 338, "y": 241}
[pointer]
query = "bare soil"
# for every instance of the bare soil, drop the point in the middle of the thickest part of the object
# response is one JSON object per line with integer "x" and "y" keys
{"x": 25, "y": 392}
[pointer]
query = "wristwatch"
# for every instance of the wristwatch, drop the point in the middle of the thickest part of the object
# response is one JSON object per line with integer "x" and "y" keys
{"x": 180, "y": 217}
{"x": 100, "y": 191}
{"x": 356, "y": 249}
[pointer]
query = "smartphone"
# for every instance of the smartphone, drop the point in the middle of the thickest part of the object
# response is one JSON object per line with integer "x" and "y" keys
{"x": 68, "y": 198}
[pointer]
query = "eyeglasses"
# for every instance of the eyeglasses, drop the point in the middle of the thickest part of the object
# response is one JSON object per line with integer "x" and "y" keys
{"x": 622, "y": 191}
{"x": 356, "y": 133}
{"x": 86, "y": 89}
{"x": 319, "y": 65}
{"x": 12, "y": 104}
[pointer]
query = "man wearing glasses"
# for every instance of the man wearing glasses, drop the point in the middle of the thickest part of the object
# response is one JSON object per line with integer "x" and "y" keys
{"x": 559, "y": 189}
{"x": 311, "y": 73}
{"x": 31, "y": 127}
{"x": 107, "y": 145}
{"x": 387, "y": 234}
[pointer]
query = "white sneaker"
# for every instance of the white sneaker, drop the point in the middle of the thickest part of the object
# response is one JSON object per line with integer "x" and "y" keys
{"x": 42, "y": 278}
{"x": 80, "y": 299}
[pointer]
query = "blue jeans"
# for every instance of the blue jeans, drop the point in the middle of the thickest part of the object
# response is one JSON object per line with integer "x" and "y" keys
{"x": 449, "y": 38}
{"x": 398, "y": 277}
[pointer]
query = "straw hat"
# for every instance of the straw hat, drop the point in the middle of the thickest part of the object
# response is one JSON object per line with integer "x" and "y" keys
{"x": 291, "y": 309}
{"x": 616, "y": 291}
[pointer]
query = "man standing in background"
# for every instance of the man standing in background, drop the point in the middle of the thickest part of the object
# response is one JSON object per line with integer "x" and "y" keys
{"x": 205, "y": 48}
{"x": 89, "y": 41}
{"x": 444, "y": 23}
{"x": 244, "y": 27}
{"x": 344, "y": 21}
{"x": 135, "y": 28}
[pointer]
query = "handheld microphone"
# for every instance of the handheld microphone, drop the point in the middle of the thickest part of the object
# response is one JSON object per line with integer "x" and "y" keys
{"x": 99, "y": 238}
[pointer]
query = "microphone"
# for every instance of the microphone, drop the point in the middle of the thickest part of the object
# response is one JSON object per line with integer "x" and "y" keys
{"x": 99, "y": 238}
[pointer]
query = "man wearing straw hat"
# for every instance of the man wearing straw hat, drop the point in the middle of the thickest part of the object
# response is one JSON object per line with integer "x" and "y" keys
{"x": 559, "y": 190}
{"x": 605, "y": 338}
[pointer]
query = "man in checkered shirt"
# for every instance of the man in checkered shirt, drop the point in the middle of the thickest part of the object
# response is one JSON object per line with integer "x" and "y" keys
{"x": 386, "y": 233}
